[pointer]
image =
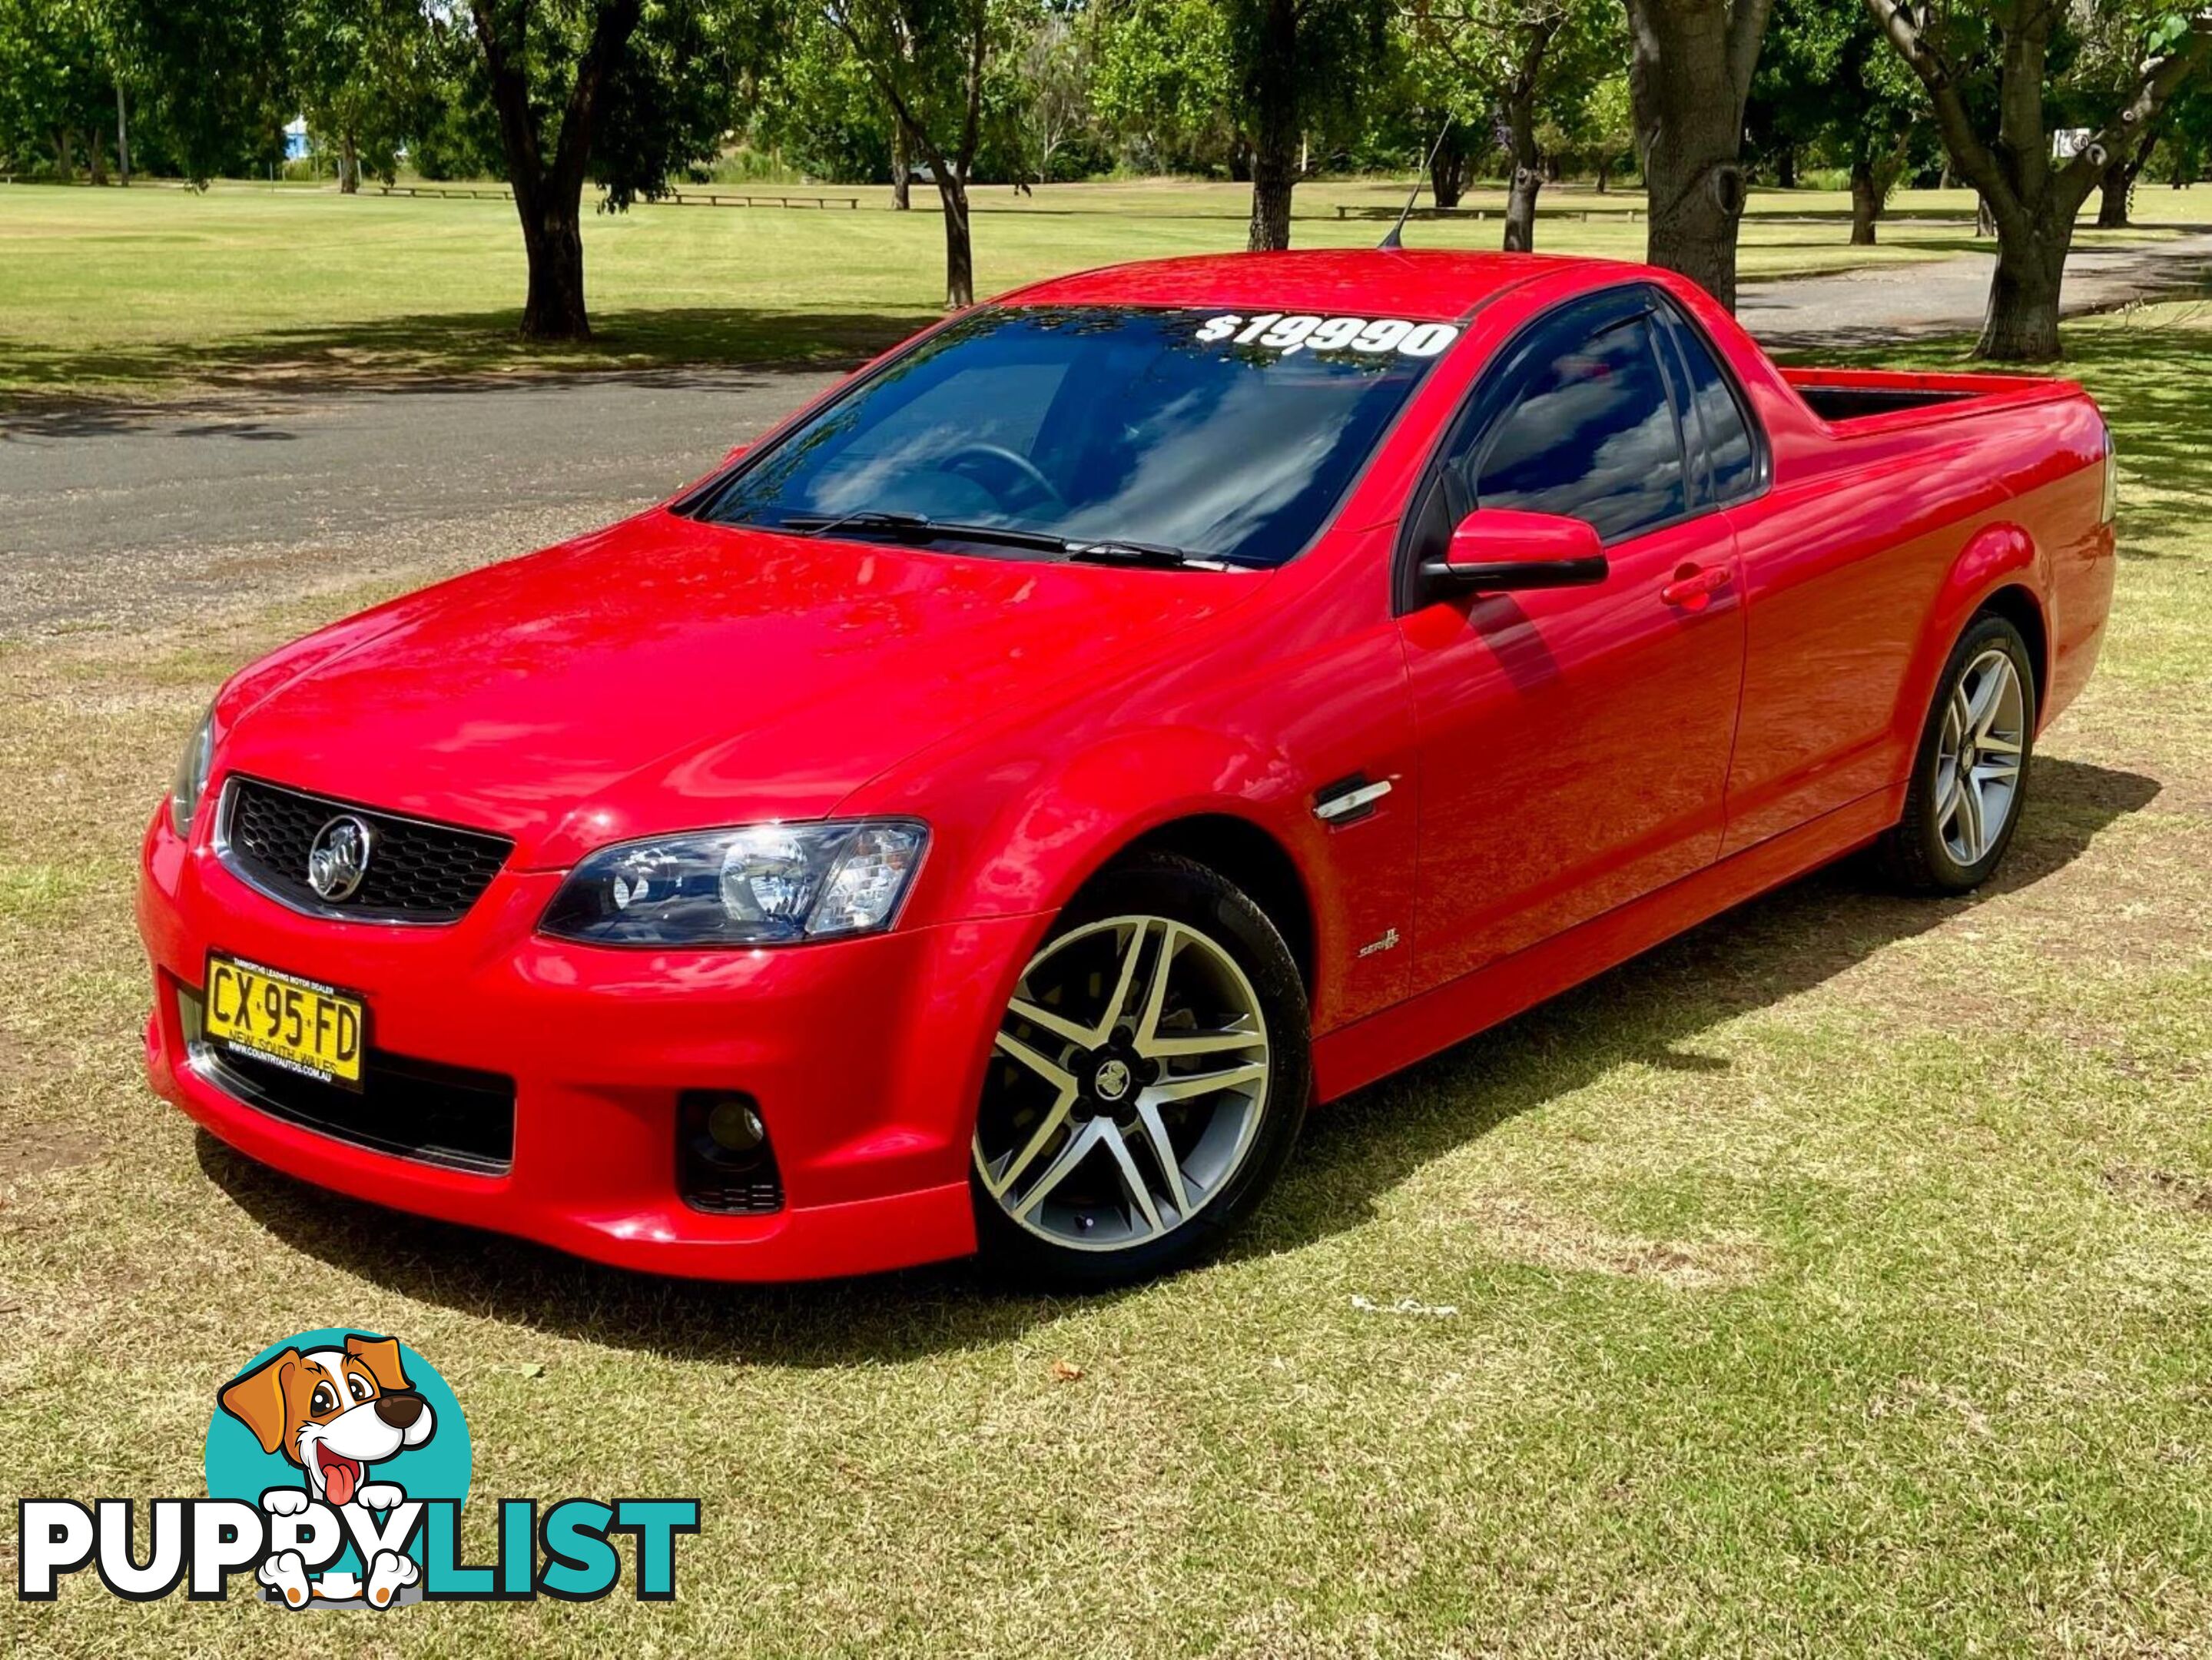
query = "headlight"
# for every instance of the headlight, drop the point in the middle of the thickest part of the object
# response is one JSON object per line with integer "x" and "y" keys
{"x": 765, "y": 885}
{"x": 186, "y": 789}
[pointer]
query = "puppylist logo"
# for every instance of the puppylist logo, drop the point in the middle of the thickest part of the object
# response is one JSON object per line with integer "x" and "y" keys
{"x": 338, "y": 1463}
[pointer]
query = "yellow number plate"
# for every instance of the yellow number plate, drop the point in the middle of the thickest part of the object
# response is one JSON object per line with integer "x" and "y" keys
{"x": 301, "y": 1025}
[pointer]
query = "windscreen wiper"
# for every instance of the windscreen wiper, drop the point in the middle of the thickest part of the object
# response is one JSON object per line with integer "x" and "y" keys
{"x": 921, "y": 528}
{"x": 821, "y": 524}
{"x": 1159, "y": 554}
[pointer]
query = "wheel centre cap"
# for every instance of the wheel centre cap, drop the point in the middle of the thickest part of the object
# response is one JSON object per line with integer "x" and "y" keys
{"x": 1111, "y": 1081}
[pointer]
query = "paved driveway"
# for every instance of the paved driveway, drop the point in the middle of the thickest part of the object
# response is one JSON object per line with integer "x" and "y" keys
{"x": 1946, "y": 296}
{"x": 126, "y": 519}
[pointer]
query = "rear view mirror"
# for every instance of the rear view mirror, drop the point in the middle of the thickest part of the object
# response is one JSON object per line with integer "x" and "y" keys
{"x": 1501, "y": 550}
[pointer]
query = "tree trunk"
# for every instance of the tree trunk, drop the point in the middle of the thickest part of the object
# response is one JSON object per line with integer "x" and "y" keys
{"x": 902, "y": 172}
{"x": 1689, "y": 73}
{"x": 2116, "y": 188}
{"x": 1985, "y": 222}
{"x": 1448, "y": 173}
{"x": 122, "y": 138}
{"x": 349, "y": 165}
{"x": 1696, "y": 197}
{"x": 1275, "y": 140}
{"x": 66, "y": 155}
{"x": 1785, "y": 167}
{"x": 555, "y": 246}
{"x": 1604, "y": 174}
{"x": 2021, "y": 324}
{"x": 96, "y": 155}
{"x": 1528, "y": 179}
{"x": 2112, "y": 191}
{"x": 1866, "y": 203}
{"x": 548, "y": 200}
{"x": 1272, "y": 181}
{"x": 960, "y": 250}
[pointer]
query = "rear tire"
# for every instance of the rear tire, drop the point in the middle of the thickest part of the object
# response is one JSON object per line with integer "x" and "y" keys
{"x": 1970, "y": 774}
{"x": 1146, "y": 1084}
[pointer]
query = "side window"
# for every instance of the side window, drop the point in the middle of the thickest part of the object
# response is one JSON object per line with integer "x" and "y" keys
{"x": 1591, "y": 434}
{"x": 1731, "y": 459}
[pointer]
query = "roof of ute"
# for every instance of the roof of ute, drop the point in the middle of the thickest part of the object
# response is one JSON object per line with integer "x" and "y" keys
{"x": 1428, "y": 283}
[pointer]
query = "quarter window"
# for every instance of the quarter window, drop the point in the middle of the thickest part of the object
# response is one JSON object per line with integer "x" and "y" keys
{"x": 1589, "y": 434}
{"x": 1731, "y": 460}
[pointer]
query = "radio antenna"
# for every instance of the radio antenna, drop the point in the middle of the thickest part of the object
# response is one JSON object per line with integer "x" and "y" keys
{"x": 1393, "y": 240}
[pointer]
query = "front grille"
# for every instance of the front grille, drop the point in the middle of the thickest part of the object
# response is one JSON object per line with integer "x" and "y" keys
{"x": 416, "y": 872}
{"x": 412, "y": 1109}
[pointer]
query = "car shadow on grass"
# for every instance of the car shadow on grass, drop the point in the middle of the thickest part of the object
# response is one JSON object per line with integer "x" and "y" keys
{"x": 1642, "y": 1013}
{"x": 1354, "y": 1153}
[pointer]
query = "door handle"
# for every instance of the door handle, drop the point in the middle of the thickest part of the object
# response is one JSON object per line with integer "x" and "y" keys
{"x": 1694, "y": 586}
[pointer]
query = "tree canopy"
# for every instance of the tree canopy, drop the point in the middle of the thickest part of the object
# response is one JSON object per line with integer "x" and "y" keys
{"x": 1998, "y": 76}
{"x": 635, "y": 96}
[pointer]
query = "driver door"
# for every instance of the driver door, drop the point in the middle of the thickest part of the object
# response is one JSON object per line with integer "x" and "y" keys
{"x": 1574, "y": 743}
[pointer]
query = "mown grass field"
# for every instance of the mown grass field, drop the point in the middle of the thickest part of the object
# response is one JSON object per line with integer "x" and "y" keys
{"x": 125, "y": 293}
{"x": 1837, "y": 1279}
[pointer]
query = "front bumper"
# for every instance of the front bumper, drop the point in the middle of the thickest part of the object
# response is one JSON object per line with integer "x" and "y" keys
{"x": 865, "y": 1057}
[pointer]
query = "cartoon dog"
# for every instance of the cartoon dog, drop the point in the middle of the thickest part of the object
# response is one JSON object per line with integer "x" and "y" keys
{"x": 334, "y": 1412}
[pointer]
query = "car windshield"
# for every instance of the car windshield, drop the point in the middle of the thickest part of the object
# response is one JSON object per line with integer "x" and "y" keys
{"x": 1165, "y": 436}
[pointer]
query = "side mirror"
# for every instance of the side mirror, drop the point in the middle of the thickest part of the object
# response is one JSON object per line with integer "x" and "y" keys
{"x": 1500, "y": 551}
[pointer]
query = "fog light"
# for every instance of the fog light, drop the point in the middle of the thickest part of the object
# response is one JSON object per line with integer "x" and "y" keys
{"x": 724, "y": 1163}
{"x": 733, "y": 1125}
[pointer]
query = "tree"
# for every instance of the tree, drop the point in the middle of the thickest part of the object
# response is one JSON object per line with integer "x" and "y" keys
{"x": 1528, "y": 63}
{"x": 1163, "y": 77}
{"x": 55, "y": 82}
{"x": 1055, "y": 108}
{"x": 928, "y": 58}
{"x": 1827, "y": 81}
{"x": 2033, "y": 196}
{"x": 1689, "y": 75}
{"x": 2102, "y": 51}
{"x": 212, "y": 81}
{"x": 361, "y": 68}
{"x": 1604, "y": 130}
{"x": 2116, "y": 188}
{"x": 2188, "y": 139}
{"x": 822, "y": 111}
{"x": 606, "y": 89}
{"x": 1299, "y": 62}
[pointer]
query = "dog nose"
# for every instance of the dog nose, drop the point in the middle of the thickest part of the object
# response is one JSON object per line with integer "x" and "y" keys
{"x": 399, "y": 1410}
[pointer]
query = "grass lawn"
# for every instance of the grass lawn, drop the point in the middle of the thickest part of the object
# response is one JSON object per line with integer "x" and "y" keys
{"x": 1837, "y": 1279}
{"x": 115, "y": 292}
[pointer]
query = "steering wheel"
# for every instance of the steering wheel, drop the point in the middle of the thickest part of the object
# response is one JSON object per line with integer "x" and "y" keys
{"x": 1008, "y": 475}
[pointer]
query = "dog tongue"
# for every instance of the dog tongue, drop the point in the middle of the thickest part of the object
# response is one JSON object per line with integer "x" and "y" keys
{"x": 338, "y": 1483}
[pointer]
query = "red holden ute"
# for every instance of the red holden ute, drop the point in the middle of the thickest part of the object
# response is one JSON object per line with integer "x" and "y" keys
{"x": 985, "y": 813}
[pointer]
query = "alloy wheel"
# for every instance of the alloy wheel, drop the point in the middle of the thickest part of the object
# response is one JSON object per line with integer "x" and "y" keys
{"x": 1129, "y": 1078}
{"x": 1977, "y": 757}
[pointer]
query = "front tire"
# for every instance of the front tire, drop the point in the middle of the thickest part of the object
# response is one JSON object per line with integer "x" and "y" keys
{"x": 1970, "y": 775}
{"x": 1146, "y": 1084}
